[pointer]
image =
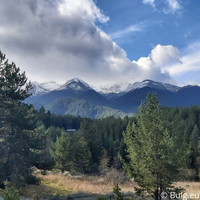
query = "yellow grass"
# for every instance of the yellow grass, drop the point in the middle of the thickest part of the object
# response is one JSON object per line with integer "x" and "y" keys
{"x": 87, "y": 187}
{"x": 190, "y": 187}
{"x": 91, "y": 185}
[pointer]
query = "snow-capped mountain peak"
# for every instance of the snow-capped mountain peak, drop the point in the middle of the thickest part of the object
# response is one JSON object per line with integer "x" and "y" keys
{"x": 75, "y": 84}
{"x": 38, "y": 89}
{"x": 159, "y": 85}
{"x": 116, "y": 90}
{"x": 43, "y": 88}
{"x": 109, "y": 90}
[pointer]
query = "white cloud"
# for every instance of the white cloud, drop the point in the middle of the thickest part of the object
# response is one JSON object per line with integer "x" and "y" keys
{"x": 165, "y": 55}
{"x": 151, "y": 2}
{"x": 190, "y": 61}
{"x": 84, "y": 7}
{"x": 58, "y": 40}
{"x": 125, "y": 32}
{"x": 174, "y": 6}
{"x": 192, "y": 83}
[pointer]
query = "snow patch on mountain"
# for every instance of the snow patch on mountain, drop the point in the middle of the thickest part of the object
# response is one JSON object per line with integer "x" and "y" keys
{"x": 116, "y": 90}
{"x": 52, "y": 85}
{"x": 43, "y": 88}
{"x": 38, "y": 89}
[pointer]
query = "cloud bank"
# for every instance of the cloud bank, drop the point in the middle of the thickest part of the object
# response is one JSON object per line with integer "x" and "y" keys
{"x": 59, "y": 40}
{"x": 190, "y": 62}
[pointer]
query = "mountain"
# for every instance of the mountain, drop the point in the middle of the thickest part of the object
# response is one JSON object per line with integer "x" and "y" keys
{"x": 77, "y": 97}
{"x": 75, "y": 84}
{"x": 188, "y": 95}
{"x": 74, "y": 88}
{"x": 130, "y": 101}
{"x": 118, "y": 90}
{"x": 81, "y": 108}
{"x": 43, "y": 88}
{"x": 38, "y": 89}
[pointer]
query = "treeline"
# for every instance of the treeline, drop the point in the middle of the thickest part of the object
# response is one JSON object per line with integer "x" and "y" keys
{"x": 103, "y": 138}
{"x": 92, "y": 142}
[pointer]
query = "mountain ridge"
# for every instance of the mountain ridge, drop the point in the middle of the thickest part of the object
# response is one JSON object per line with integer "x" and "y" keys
{"x": 125, "y": 98}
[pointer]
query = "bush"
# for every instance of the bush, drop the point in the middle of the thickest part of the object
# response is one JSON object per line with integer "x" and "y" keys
{"x": 117, "y": 192}
{"x": 191, "y": 175}
{"x": 11, "y": 194}
{"x": 32, "y": 180}
{"x": 102, "y": 198}
{"x": 116, "y": 176}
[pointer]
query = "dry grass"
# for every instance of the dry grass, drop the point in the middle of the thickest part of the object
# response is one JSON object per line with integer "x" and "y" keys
{"x": 91, "y": 185}
{"x": 190, "y": 187}
{"x": 88, "y": 187}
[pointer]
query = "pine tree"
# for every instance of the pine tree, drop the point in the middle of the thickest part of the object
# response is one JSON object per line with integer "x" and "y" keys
{"x": 195, "y": 140}
{"x": 16, "y": 120}
{"x": 155, "y": 156}
{"x": 103, "y": 165}
{"x": 61, "y": 152}
{"x": 81, "y": 154}
{"x": 117, "y": 192}
{"x": 93, "y": 138}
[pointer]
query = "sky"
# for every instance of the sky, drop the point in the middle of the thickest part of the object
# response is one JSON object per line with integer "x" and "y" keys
{"x": 103, "y": 41}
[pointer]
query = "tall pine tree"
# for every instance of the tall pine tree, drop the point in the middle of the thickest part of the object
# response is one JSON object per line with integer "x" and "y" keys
{"x": 16, "y": 121}
{"x": 61, "y": 152}
{"x": 154, "y": 154}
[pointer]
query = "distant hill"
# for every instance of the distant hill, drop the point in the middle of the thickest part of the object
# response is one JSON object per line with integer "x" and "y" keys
{"x": 82, "y": 108}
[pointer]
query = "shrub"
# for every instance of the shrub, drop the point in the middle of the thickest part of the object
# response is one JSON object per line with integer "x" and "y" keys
{"x": 11, "y": 194}
{"x": 32, "y": 180}
{"x": 117, "y": 192}
{"x": 116, "y": 176}
{"x": 102, "y": 198}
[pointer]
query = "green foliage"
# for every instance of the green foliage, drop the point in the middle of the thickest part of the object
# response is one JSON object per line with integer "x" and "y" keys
{"x": 61, "y": 152}
{"x": 11, "y": 194}
{"x": 16, "y": 121}
{"x": 117, "y": 192}
{"x": 93, "y": 138}
{"x": 103, "y": 165}
{"x": 32, "y": 180}
{"x": 199, "y": 174}
{"x": 156, "y": 155}
{"x": 81, "y": 154}
{"x": 77, "y": 107}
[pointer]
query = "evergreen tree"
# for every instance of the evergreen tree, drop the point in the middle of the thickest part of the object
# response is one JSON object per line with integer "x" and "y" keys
{"x": 61, "y": 152}
{"x": 103, "y": 166}
{"x": 155, "y": 156}
{"x": 16, "y": 121}
{"x": 91, "y": 134}
{"x": 81, "y": 154}
{"x": 194, "y": 140}
{"x": 117, "y": 192}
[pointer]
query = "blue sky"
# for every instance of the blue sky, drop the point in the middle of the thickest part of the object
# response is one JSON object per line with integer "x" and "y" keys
{"x": 103, "y": 42}
{"x": 137, "y": 26}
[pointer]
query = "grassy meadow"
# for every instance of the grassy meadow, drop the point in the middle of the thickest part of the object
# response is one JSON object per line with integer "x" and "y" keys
{"x": 87, "y": 187}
